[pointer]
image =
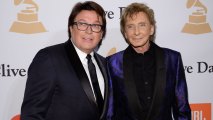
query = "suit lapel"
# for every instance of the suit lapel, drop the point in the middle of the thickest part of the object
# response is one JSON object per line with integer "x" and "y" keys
{"x": 78, "y": 67}
{"x": 130, "y": 87}
{"x": 160, "y": 82}
{"x": 102, "y": 66}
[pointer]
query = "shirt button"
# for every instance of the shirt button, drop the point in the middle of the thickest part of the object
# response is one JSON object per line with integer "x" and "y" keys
{"x": 149, "y": 98}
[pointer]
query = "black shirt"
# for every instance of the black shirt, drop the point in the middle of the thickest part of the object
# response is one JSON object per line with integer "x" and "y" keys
{"x": 144, "y": 77}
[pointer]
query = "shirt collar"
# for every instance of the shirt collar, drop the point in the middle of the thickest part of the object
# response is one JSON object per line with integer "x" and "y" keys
{"x": 82, "y": 55}
{"x": 149, "y": 52}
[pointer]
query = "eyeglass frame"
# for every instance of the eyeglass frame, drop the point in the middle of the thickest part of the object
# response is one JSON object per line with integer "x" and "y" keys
{"x": 87, "y": 25}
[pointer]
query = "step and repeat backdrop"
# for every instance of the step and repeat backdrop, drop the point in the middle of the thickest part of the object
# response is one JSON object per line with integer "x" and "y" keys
{"x": 26, "y": 26}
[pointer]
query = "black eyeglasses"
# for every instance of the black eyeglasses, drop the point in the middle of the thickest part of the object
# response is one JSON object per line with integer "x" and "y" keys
{"x": 84, "y": 26}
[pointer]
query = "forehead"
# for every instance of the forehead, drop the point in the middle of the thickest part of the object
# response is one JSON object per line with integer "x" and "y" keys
{"x": 137, "y": 17}
{"x": 88, "y": 15}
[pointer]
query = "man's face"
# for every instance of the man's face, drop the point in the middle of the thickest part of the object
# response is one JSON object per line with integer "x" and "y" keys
{"x": 138, "y": 30}
{"x": 86, "y": 40}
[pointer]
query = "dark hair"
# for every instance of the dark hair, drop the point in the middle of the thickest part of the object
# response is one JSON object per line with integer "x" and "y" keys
{"x": 91, "y": 6}
{"x": 135, "y": 8}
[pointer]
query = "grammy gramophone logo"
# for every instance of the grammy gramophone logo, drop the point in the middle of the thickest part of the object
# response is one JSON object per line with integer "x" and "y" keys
{"x": 197, "y": 20}
{"x": 112, "y": 51}
{"x": 27, "y": 19}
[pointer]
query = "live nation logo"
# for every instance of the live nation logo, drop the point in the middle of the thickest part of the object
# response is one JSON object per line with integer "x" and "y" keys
{"x": 201, "y": 111}
{"x": 7, "y": 71}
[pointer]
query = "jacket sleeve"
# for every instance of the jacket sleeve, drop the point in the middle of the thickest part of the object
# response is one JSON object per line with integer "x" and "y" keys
{"x": 181, "y": 108}
{"x": 39, "y": 87}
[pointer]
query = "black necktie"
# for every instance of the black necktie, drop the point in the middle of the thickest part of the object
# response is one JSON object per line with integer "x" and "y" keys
{"x": 94, "y": 79}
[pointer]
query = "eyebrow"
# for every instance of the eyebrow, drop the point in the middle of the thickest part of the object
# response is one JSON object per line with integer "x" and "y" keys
{"x": 82, "y": 20}
{"x": 138, "y": 23}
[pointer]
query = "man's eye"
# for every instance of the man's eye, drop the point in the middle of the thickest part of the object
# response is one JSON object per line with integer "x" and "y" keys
{"x": 96, "y": 25}
{"x": 82, "y": 24}
{"x": 129, "y": 26}
{"x": 142, "y": 25}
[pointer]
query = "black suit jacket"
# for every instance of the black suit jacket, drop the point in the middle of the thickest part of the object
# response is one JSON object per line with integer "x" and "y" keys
{"x": 58, "y": 88}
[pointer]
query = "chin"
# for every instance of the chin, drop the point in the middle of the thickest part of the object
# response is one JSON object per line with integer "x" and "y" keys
{"x": 137, "y": 45}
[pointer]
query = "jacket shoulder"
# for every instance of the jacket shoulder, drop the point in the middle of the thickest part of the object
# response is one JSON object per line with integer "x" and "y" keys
{"x": 54, "y": 48}
{"x": 172, "y": 52}
{"x": 116, "y": 56}
{"x": 100, "y": 56}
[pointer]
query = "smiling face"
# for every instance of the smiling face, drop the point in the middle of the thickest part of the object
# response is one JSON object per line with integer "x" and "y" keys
{"x": 137, "y": 31}
{"x": 86, "y": 40}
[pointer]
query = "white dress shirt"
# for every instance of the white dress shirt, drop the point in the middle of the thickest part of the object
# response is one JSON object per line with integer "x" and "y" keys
{"x": 83, "y": 60}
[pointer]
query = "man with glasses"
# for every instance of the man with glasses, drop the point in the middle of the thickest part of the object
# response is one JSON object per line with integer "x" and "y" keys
{"x": 69, "y": 81}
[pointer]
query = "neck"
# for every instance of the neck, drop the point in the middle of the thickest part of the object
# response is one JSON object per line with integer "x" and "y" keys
{"x": 142, "y": 49}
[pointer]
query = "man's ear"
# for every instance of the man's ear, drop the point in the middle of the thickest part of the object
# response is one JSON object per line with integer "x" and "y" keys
{"x": 125, "y": 34}
{"x": 152, "y": 30}
{"x": 70, "y": 29}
